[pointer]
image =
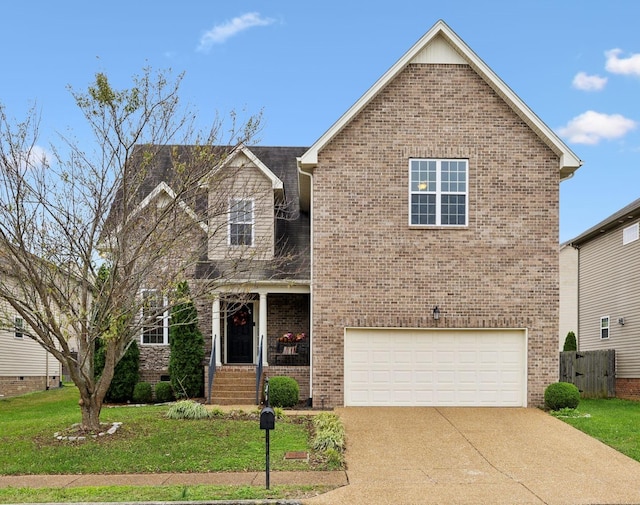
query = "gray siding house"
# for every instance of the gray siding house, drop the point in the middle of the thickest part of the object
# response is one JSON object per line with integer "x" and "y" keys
{"x": 608, "y": 281}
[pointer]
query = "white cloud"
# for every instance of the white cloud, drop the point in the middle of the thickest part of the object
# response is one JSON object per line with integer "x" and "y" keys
{"x": 591, "y": 127}
{"x": 37, "y": 157}
{"x": 587, "y": 82}
{"x": 220, "y": 33}
{"x": 625, "y": 66}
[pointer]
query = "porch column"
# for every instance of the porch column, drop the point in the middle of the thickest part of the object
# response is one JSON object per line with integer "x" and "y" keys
{"x": 215, "y": 328}
{"x": 262, "y": 325}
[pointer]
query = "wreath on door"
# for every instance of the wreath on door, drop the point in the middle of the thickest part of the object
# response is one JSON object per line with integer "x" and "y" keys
{"x": 241, "y": 317}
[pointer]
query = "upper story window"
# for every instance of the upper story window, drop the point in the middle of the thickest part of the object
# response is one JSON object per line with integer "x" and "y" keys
{"x": 438, "y": 192}
{"x": 241, "y": 222}
{"x": 630, "y": 234}
{"x": 604, "y": 327}
{"x": 18, "y": 325}
{"x": 156, "y": 320}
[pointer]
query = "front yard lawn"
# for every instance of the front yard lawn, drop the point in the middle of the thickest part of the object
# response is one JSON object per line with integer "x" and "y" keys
{"x": 612, "y": 421}
{"x": 146, "y": 441}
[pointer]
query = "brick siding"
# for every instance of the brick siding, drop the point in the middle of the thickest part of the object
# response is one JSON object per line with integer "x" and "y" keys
{"x": 628, "y": 389}
{"x": 14, "y": 386}
{"x": 372, "y": 269}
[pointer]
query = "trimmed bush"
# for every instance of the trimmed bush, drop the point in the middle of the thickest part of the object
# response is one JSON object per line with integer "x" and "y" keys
{"x": 188, "y": 409}
{"x": 283, "y": 391}
{"x": 164, "y": 392}
{"x": 561, "y": 395}
{"x": 187, "y": 347}
{"x": 570, "y": 343}
{"x": 125, "y": 375}
{"x": 142, "y": 393}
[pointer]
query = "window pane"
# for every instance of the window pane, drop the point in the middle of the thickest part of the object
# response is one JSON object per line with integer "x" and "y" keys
{"x": 423, "y": 209}
{"x": 241, "y": 234}
{"x": 453, "y": 209}
{"x": 153, "y": 332}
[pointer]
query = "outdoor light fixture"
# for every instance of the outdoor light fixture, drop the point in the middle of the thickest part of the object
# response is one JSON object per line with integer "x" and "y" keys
{"x": 436, "y": 313}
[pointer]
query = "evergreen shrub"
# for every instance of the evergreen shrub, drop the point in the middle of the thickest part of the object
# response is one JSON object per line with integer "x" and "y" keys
{"x": 142, "y": 393}
{"x": 283, "y": 391}
{"x": 561, "y": 395}
{"x": 164, "y": 392}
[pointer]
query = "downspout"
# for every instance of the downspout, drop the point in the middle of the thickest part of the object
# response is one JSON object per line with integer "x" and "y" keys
{"x": 311, "y": 337}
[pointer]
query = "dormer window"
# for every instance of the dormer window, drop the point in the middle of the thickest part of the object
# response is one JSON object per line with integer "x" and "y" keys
{"x": 241, "y": 222}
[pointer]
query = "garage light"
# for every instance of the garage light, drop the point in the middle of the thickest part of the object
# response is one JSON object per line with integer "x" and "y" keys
{"x": 436, "y": 313}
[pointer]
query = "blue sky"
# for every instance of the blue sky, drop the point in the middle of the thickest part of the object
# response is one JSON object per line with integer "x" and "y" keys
{"x": 575, "y": 63}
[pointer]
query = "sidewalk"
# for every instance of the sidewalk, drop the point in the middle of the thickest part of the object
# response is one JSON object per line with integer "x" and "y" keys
{"x": 334, "y": 478}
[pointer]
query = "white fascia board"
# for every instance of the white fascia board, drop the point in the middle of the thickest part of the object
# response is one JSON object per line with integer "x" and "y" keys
{"x": 569, "y": 162}
{"x": 276, "y": 183}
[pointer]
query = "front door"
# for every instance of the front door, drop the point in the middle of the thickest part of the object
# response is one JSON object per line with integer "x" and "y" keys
{"x": 240, "y": 335}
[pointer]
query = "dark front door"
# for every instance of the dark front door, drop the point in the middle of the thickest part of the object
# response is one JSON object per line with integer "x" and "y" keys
{"x": 240, "y": 335}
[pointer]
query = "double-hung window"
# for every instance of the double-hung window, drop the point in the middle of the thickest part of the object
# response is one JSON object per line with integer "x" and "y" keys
{"x": 438, "y": 192}
{"x": 604, "y": 327}
{"x": 155, "y": 318}
{"x": 241, "y": 222}
{"x": 18, "y": 325}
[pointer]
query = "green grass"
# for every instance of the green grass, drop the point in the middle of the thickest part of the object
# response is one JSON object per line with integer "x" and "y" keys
{"x": 614, "y": 422}
{"x": 156, "y": 493}
{"x": 146, "y": 442}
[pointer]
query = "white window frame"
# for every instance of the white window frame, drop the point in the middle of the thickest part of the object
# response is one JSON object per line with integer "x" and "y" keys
{"x": 164, "y": 318}
{"x": 605, "y": 327}
{"x": 18, "y": 328}
{"x": 239, "y": 222}
{"x": 436, "y": 187}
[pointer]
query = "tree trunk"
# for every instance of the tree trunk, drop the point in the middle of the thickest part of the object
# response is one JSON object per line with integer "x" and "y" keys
{"x": 90, "y": 406}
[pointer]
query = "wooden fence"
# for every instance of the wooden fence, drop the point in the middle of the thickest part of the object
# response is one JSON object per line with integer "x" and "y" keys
{"x": 593, "y": 372}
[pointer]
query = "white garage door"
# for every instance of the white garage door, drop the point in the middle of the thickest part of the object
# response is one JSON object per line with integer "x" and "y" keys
{"x": 435, "y": 367}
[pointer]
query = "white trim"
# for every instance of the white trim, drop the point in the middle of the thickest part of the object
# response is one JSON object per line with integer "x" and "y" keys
{"x": 607, "y": 327}
{"x": 164, "y": 317}
{"x": 569, "y": 162}
{"x": 276, "y": 183}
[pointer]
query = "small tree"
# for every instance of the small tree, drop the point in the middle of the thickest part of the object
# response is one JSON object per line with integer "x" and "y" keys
{"x": 570, "y": 343}
{"x": 125, "y": 375}
{"x": 187, "y": 346}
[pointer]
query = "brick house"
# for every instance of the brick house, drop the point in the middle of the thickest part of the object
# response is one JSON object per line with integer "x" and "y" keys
{"x": 429, "y": 213}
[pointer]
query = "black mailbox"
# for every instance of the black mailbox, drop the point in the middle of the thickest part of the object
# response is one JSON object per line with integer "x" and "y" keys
{"x": 267, "y": 419}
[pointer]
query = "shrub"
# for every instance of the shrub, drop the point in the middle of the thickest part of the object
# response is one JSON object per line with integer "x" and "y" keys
{"x": 187, "y": 409}
{"x": 164, "y": 392}
{"x": 283, "y": 392}
{"x": 570, "y": 343}
{"x": 125, "y": 375}
{"x": 187, "y": 347}
{"x": 329, "y": 432}
{"x": 142, "y": 393}
{"x": 561, "y": 395}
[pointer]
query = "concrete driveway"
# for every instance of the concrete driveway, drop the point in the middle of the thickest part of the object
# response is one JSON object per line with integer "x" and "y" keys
{"x": 477, "y": 456}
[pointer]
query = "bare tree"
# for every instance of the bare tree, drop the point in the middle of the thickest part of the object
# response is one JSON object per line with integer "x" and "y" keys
{"x": 63, "y": 217}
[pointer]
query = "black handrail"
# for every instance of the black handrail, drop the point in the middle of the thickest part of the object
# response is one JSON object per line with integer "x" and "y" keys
{"x": 259, "y": 371}
{"x": 212, "y": 365}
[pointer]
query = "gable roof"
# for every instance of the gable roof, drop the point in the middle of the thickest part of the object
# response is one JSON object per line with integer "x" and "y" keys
{"x": 624, "y": 215}
{"x": 442, "y": 45}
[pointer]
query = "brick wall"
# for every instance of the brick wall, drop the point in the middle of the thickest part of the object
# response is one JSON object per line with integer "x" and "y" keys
{"x": 628, "y": 389}
{"x": 371, "y": 269}
{"x": 14, "y": 386}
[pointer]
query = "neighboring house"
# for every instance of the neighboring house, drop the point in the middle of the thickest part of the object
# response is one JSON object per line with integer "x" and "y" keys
{"x": 25, "y": 366}
{"x": 608, "y": 280}
{"x": 429, "y": 215}
{"x": 568, "y": 292}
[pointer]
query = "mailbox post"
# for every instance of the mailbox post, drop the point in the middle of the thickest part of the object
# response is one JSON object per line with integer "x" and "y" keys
{"x": 267, "y": 423}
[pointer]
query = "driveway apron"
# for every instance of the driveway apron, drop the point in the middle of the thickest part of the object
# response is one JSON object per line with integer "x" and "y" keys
{"x": 407, "y": 455}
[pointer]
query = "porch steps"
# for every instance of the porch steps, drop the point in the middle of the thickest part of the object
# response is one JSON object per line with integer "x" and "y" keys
{"x": 234, "y": 386}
